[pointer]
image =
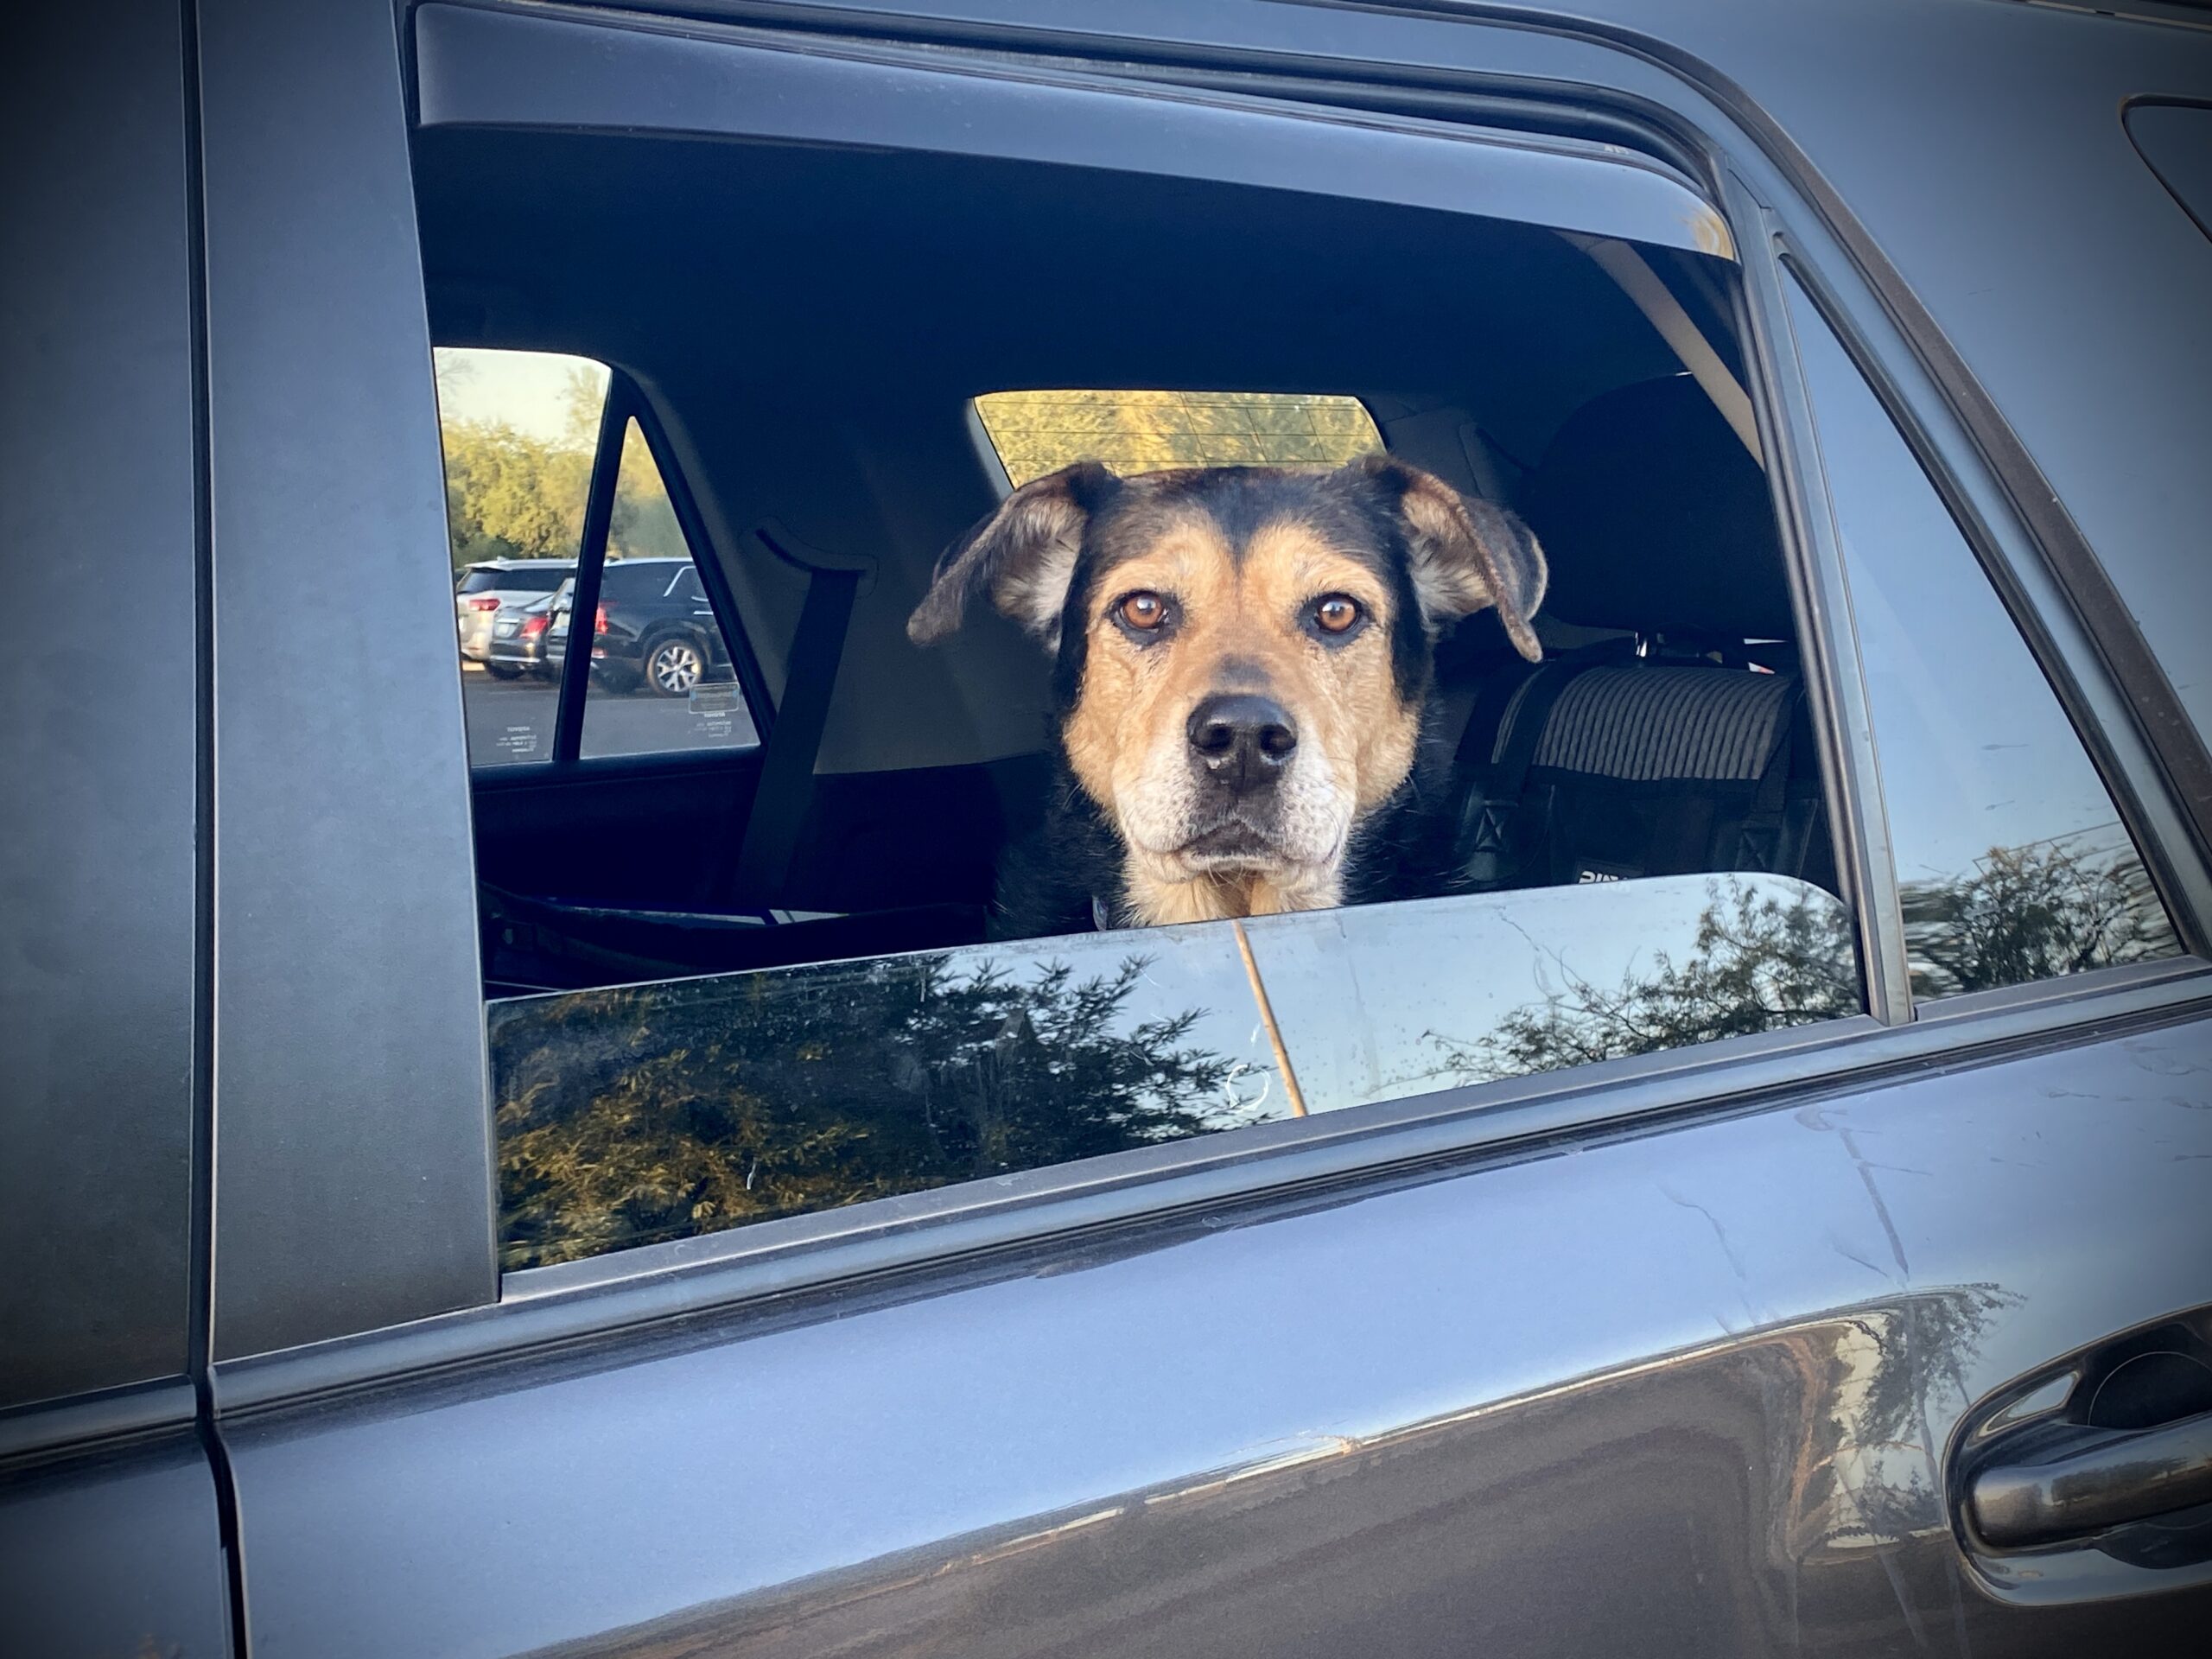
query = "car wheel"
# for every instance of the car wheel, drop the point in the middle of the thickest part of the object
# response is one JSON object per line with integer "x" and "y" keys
{"x": 674, "y": 666}
{"x": 504, "y": 670}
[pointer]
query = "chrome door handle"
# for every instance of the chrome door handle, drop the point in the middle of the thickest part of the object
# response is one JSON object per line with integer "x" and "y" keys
{"x": 2118, "y": 1476}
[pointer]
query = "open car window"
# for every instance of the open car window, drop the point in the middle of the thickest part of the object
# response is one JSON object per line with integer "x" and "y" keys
{"x": 1580, "y": 761}
{"x": 640, "y": 1114}
{"x": 1621, "y": 847}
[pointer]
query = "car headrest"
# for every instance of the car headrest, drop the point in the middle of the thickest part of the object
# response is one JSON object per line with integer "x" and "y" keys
{"x": 1654, "y": 517}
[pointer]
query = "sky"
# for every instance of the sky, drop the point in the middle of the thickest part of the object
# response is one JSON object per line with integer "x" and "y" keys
{"x": 523, "y": 390}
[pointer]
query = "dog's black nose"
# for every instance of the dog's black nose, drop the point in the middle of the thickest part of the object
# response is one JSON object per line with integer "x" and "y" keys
{"x": 1241, "y": 738}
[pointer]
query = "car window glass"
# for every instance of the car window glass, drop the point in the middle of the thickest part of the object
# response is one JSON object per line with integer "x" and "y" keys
{"x": 518, "y": 430}
{"x": 641, "y": 1113}
{"x": 1038, "y": 432}
{"x": 2011, "y": 858}
{"x": 662, "y": 677}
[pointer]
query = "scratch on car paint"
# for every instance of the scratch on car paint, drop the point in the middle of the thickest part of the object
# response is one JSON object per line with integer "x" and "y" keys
{"x": 1850, "y": 1140}
{"x": 1720, "y": 1233}
{"x": 1853, "y": 1255}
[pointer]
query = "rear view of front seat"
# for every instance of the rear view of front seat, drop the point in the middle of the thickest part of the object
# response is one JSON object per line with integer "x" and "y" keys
{"x": 1681, "y": 745}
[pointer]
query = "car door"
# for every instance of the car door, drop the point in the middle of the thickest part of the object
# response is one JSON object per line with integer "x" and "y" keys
{"x": 1689, "y": 1349}
{"x": 111, "y": 1537}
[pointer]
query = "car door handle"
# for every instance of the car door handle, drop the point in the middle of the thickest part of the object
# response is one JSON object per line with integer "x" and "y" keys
{"x": 2123, "y": 1476}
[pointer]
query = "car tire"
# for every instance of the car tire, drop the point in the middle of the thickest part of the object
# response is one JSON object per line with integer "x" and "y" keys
{"x": 673, "y": 664}
{"x": 504, "y": 670}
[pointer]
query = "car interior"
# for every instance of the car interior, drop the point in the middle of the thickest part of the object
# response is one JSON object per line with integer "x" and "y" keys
{"x": 808, "y": 328}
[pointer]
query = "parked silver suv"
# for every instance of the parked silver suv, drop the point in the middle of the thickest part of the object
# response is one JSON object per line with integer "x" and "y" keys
{"x": 483, "y": 589}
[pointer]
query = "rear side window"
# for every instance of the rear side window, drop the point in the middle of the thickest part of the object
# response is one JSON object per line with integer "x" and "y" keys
{"x": 538, "y": 577}
{"x": 1040, "y": 432}
{"x": 662, "y": 678}
{"x": 2012, "y": 860}
{"x": 519, "y": 430}
{"x": 1615, "y": 845}
{"x": 516, "y": 428}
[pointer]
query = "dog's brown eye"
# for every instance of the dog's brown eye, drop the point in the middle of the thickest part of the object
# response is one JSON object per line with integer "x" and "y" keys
{"x": 1144, "y": 610}
{"x": 1335, "y": 614}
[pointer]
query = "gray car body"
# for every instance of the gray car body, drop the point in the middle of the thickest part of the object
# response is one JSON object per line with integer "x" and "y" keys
{"x": 1675, "y": 1359}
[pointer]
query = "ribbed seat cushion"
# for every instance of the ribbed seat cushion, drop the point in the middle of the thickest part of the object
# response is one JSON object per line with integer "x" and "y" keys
{"x": 1644, "y": 724}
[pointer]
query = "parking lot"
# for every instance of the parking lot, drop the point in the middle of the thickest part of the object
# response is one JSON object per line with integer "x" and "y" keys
{"x": 510, "y": 721}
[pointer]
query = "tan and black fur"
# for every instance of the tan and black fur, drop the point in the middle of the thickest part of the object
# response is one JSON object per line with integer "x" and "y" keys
{"x": 1226, "y": 747}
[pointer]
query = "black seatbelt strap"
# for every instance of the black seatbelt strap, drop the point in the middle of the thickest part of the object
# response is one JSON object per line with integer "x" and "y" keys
{"x": 1495, "y": 755}
{"x": 787, "y": 786}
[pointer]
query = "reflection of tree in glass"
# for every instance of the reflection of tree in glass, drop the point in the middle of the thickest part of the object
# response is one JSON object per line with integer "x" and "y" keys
{"x": 1871, "y": 1460}
{"x": 653, "y": 1112}
{"x": 1761, "y": 962}
{"x": 2030, "y": 913}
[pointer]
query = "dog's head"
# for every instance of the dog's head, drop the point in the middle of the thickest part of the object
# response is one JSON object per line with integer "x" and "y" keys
{"x": 1243, "y": 653}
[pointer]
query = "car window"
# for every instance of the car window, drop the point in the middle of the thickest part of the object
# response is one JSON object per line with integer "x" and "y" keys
{"x": 1038, "y": 432}
{"x": 2011, "y": 861}
{"x": 1381, "y": 777}
{"x": 662, "y": 677}
{"x": 517, "y": 428}
{"x": 638, "y": 1114}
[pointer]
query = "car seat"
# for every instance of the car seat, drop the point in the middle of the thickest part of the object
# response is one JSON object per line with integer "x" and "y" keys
{"x": 1678, "y": 743}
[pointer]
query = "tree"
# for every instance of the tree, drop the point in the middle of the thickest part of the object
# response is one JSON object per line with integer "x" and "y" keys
{"x": 650, "y": 1112}
{"x": 1760, "y": 963}
{"x": 2033, "y": 913}
{"x": 510, "y": 495}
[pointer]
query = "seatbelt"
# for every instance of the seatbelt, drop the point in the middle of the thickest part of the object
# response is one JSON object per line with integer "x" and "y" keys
{"x": 756, "y": 875}
{"x": 1488, "y": 847}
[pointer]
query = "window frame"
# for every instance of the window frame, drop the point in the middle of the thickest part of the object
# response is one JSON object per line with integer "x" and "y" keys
{"x": 1775, "y": 212}
{"x": 626, "y": 401}
{"x": 2030, "y": 590}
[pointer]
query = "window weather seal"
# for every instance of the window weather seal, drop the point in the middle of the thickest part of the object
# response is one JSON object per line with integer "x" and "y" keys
{"x": 1835, "y": 684}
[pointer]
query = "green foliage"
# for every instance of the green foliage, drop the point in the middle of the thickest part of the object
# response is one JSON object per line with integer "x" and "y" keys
{"x": 512, "y": 496}
{"x": 633, "y": 1115}
{"x": 509, "y": 496}
{"x": 1038, "y": 432}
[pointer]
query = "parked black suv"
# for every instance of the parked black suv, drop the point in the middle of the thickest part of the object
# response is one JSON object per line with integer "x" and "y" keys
{"x": 656, "y": 631}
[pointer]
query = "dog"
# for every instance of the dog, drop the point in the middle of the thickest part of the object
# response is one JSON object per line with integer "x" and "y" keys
{"x": 1243, "y": 675}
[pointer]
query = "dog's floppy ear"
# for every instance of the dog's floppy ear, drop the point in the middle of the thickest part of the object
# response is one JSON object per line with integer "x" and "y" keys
{"x": 1023, "y": 556}
{"x": 1466, "y": 552}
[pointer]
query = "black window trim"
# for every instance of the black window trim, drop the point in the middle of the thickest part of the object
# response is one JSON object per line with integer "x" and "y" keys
{"x": 1417, "y": 1138}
